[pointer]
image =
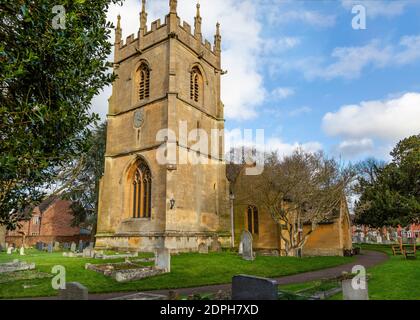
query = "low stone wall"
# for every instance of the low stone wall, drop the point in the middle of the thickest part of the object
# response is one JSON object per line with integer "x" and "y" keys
{"x": 32, "y": 240}
{"x": 322, "y": 252}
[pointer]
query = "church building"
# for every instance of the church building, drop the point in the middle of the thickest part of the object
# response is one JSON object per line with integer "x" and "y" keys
{"x": 168, "y": 80}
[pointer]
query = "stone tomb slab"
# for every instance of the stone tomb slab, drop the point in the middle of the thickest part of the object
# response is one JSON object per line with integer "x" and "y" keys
{"x": 16, "y": 265}
{"x": 125, "y": 271}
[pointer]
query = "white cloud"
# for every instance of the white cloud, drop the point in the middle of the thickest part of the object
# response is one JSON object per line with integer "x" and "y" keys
{"x": 273, "y": 46}
{"x": 241, "y": 41}
{"x": 281, "y": 93}
{"x": 378, "y": 8}
{"x": 237, "y": 138}
{"x": 388, "y": 120}
{"x": 279, "y": 15}
{"x": 349, "y": 62}
{"x": 299, "y": 111}
{"x": 353, "y": 148}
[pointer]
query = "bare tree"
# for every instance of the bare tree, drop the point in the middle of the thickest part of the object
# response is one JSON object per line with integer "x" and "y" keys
{"x": 303, "y": 188}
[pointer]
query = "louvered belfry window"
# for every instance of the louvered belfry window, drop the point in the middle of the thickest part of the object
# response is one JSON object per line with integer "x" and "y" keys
{"x": 144, "y": 88}
{"x": 196, "y": 85}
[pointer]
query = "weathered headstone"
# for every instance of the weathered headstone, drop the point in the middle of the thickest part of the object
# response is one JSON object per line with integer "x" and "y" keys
{"x": 50, "y": 248}
{"x": 163, "y": 259}
{"x": 9, "y": 250}
{"x": 254, "y": 288}
{"x": 91, "y": 245}
{"x": 246, "y": 240}
{"x": 22, "y": 251}
{"x": 80, "y": 248}
{"x": 73, "y": 247}
{"x": 378, "y": 239}
{"x": 88, "y": 253}
{"x": 73, "y": 291}
{"x": 203, "y": 248}
{"x": 56, "y": 246}
{"x": 215, "y": 246}
{"x": 350, "y": 293}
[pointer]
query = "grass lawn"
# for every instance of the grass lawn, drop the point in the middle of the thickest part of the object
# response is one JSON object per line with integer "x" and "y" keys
{"x": 395, "y": 279}
{"x": 187, "y": 270}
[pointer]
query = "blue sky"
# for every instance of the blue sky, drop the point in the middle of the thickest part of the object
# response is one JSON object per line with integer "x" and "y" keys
{"x": 298, "y": 70}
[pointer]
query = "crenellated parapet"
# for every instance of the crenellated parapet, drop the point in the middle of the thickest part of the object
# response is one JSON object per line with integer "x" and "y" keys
{"x": 172, "y": 27}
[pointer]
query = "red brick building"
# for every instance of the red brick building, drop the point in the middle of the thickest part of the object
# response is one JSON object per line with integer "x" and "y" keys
{"x": 50, "y": 221}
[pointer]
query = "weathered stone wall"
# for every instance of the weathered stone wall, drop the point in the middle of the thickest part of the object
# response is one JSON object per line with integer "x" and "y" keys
{"x": 325, "y": 240}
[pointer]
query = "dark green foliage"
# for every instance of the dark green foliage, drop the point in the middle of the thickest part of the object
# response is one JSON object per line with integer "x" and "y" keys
{"x": 391, "y": 194}
{"x": 48, "y": 78}
{"x": 81, "y": 180}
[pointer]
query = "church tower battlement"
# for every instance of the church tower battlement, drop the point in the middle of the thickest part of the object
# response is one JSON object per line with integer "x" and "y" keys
{"x": 168, "y": 78}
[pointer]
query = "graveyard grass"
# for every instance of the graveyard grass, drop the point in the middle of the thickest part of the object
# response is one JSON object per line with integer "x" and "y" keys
{"x": 187, "y": 270}
{"x": 395, "y": 279}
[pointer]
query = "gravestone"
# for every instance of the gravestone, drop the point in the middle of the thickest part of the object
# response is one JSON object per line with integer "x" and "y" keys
{"x": 56, "y": 246}
{"x": 91, "y": 245}
{"x": 203, "y": 248}
{"x": 50, "y": 248}
{"x": 80, "y": 248}
{"x": 241, "y": 248}
{"x": 73, "y": 291}
{"x": 22, "y": 251}
{"x": 378, "y": 239}
{"x": 66, "y": 246}
{"x": 73, "y": 247}
{"x": 163, "y": 259}
{"x": 88, "y": 253}
{"x": 9, "y": 250}
{"x": 350, "y": 293}
{"x": 246, "y": 240}
{"x": 254, "y": 288}
{"x": 215, "y": 246}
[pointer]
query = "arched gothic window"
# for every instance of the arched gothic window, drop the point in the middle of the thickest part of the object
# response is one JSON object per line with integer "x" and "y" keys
{"x": 253, "y": 219}
{"x": 142, "y": 191}
{"x": 196, "y": 85}
{"x": 144, "y": 87}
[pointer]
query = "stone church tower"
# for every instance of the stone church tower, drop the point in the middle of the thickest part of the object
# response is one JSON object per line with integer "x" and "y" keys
{"x": 168, "y": 81}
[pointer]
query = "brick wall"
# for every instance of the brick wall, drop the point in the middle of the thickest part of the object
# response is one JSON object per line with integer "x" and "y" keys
{"x": 54, "y": 224}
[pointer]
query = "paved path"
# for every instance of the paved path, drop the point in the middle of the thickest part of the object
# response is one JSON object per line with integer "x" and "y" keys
{"x": 366, "y": 259}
